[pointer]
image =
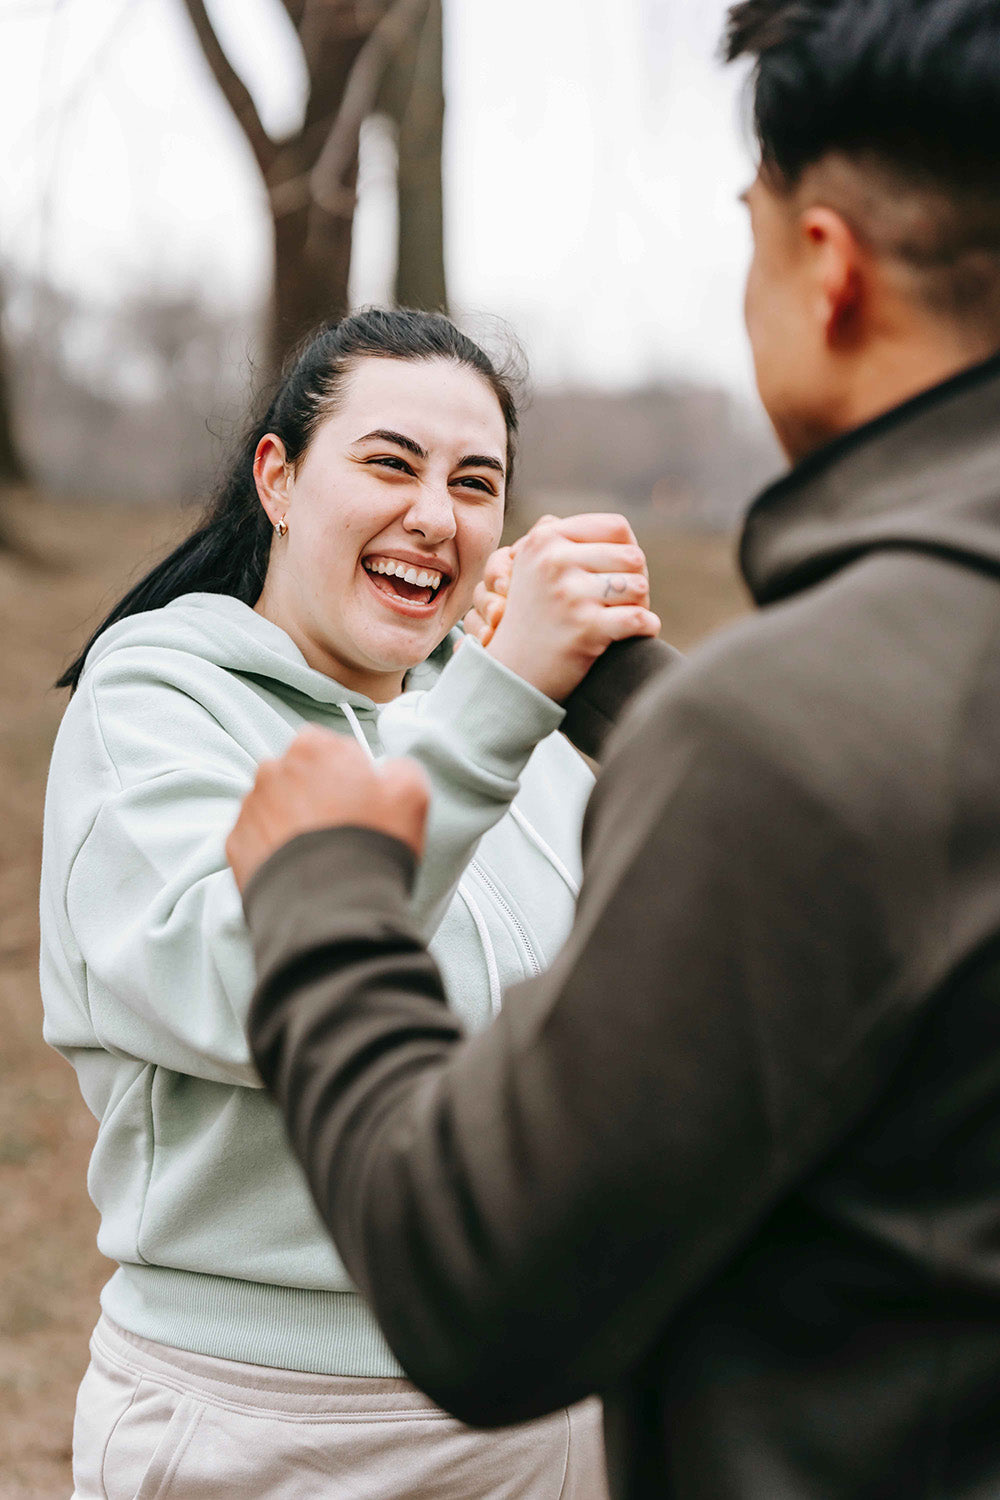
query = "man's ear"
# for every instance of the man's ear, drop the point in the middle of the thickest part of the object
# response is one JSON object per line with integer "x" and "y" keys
{"x": 272, "y": 477}
{"x": 839, "y": 269}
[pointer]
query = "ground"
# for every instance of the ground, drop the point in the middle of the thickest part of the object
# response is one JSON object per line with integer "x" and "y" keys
{"x": 77, "y": 560}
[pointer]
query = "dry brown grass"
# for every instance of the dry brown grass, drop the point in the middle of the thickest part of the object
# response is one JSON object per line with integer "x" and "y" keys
{"x": 51, "y": 1271}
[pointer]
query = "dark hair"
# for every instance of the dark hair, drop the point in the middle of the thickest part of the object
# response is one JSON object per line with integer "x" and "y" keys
{"x": 228, "y": 551}
{"x": 917, "y": 82}
{"x": 909, "y": 92}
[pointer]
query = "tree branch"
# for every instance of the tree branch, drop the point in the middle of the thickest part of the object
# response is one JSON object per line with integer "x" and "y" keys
{"x": 326, "y": 181}
{"x": 326, "y": 186}
{"x": 235, "y": 91}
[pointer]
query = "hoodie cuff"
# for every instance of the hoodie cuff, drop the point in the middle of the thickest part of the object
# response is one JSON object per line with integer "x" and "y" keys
{"x": 496, "y": 716}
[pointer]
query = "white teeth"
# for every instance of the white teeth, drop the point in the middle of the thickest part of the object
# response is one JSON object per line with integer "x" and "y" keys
{"x": 409, "y": 574}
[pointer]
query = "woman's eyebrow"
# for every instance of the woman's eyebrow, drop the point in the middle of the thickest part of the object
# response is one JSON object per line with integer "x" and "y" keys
{"x": 398, "y": 438}
{"x": 482, "y": 461}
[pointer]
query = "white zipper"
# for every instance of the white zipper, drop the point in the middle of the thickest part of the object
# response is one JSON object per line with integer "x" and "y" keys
{"x": 516, "y": 922}
{"x": 489, "y": 953}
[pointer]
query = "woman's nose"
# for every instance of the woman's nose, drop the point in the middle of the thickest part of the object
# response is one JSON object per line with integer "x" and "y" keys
{"x": 432, "y": 513}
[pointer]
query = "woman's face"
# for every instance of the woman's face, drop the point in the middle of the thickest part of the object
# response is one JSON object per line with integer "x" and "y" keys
{"x": 392, "y": 512}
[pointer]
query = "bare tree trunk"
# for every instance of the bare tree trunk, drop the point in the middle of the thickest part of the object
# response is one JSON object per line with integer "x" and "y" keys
{"x": 420, "y": 277}
{"x": 12, "y": 469}
{"x": 312, "y": 262}
{"x": 312, "y": 242}
{"x": 349, "y": 47}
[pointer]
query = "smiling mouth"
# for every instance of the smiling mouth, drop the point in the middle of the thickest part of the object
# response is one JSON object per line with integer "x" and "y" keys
{"x": 401, "y": 580}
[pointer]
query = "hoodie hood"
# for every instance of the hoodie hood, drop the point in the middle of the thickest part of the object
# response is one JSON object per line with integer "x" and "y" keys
{"x": 924, "y": 476}
{"x": 226, "y": 632}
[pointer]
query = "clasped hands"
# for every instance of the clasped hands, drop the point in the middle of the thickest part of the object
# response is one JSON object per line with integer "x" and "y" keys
{"x": 547, "y": 608}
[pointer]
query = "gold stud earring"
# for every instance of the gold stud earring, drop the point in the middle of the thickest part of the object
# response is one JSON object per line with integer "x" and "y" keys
{"x": 281, "y": 527}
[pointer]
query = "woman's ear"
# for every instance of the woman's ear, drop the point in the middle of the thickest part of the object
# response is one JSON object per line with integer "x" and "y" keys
{"x": 272, "y": 477}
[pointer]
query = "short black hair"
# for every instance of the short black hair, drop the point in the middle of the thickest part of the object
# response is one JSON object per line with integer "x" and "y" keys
{"x": 906, "y": 93}
{"x": 915, "y": 82}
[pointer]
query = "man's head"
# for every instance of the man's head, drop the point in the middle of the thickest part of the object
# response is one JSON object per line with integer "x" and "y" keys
{"x": 876, "y": 210}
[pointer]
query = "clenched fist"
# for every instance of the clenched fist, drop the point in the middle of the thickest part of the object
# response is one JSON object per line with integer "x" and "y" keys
{"x": 326, "y": 781}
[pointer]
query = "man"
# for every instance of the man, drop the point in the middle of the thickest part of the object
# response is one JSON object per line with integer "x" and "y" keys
{"x": 734, "y": 1162}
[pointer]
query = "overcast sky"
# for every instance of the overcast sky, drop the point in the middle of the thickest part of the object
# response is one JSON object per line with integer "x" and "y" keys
{"x": 593, "y": 158}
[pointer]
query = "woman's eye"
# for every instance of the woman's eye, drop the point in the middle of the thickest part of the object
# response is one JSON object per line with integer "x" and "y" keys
{"x": 390, "y": 461}
{"x": 472, "y": 482}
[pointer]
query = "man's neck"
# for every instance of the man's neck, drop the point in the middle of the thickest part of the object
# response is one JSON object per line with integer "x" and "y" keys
{"x": 893, "y": 374}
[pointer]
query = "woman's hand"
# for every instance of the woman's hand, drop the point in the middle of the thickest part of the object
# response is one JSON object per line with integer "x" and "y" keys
{"x": 490, "y": 597}
{"x": 551, "y": 605}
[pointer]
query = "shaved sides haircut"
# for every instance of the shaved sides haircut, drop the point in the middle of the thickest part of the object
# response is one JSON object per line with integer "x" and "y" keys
{"x": 890, "y": 111}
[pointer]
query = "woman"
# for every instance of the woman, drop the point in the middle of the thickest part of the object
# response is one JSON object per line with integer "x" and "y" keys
{"x": 232, "y": 1356}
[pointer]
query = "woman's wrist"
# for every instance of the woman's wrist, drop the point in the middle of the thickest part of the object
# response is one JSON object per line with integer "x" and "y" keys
{"x": 547, "y": 677}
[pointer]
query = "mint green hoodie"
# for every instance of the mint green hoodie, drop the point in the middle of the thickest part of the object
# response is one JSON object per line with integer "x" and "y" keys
{"x": 146, "y": 967}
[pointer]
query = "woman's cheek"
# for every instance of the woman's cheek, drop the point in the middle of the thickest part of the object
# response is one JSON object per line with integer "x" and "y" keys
{"x": 461, "y": 599}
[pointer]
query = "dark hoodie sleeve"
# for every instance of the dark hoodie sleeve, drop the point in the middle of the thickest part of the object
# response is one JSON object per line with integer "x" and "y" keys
{"x": 597, "y": 705}
{"x": 526, "y": 1209}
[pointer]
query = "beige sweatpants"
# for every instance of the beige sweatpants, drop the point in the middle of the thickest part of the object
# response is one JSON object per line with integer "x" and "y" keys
{"x": 155, "y": 1423}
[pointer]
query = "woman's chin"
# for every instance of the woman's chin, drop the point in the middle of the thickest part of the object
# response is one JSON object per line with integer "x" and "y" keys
{"x": 399, "y": 647}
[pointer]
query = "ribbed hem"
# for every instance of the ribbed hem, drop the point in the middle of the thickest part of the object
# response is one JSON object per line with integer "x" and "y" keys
{"x": 498, "y": 717}
{"x": 285, "y": 1327}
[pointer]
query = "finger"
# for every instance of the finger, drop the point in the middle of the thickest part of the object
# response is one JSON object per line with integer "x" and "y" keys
{"x": 542, "y": 523}
{"x": 488, "y": 605}
{"x": 622, "y": 622}
{"x": 602, "y": 557}
{"x": 619, "y": 588}
{"x": 314, "y": 742}
{"x": 540, "y": 527}
{"x": 596, "y": 526}
{"x": 476, "y": 626}
{"x": 406, "y": 780}
{"x": 498, "y": 569}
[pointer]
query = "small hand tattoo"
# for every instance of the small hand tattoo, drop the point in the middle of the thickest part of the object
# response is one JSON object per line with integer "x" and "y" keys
{"x": 615, "y": 586}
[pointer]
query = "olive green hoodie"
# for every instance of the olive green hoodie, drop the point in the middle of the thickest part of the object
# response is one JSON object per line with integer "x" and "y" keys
{"x": 146, "y": 966}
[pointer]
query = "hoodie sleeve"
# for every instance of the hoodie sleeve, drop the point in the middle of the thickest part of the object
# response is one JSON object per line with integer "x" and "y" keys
{"x": 150, "y": 898}
{"x": 473, "y": 732}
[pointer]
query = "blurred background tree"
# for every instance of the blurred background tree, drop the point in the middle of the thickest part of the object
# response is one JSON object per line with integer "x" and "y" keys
{"x": 193, "y": 184}
{"x": 362, "y": 58}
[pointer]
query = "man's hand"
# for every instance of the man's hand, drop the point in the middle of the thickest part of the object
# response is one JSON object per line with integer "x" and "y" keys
{"x": 325, "y": 781}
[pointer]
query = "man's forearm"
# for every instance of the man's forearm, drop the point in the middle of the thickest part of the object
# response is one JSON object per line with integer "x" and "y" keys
{"x": 597, "y": 705}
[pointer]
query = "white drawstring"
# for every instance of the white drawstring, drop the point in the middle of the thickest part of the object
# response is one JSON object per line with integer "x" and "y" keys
{"x": 356, "y": 729}
{"x": 543, "y": 848}
{"x": 492, "y": 968}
